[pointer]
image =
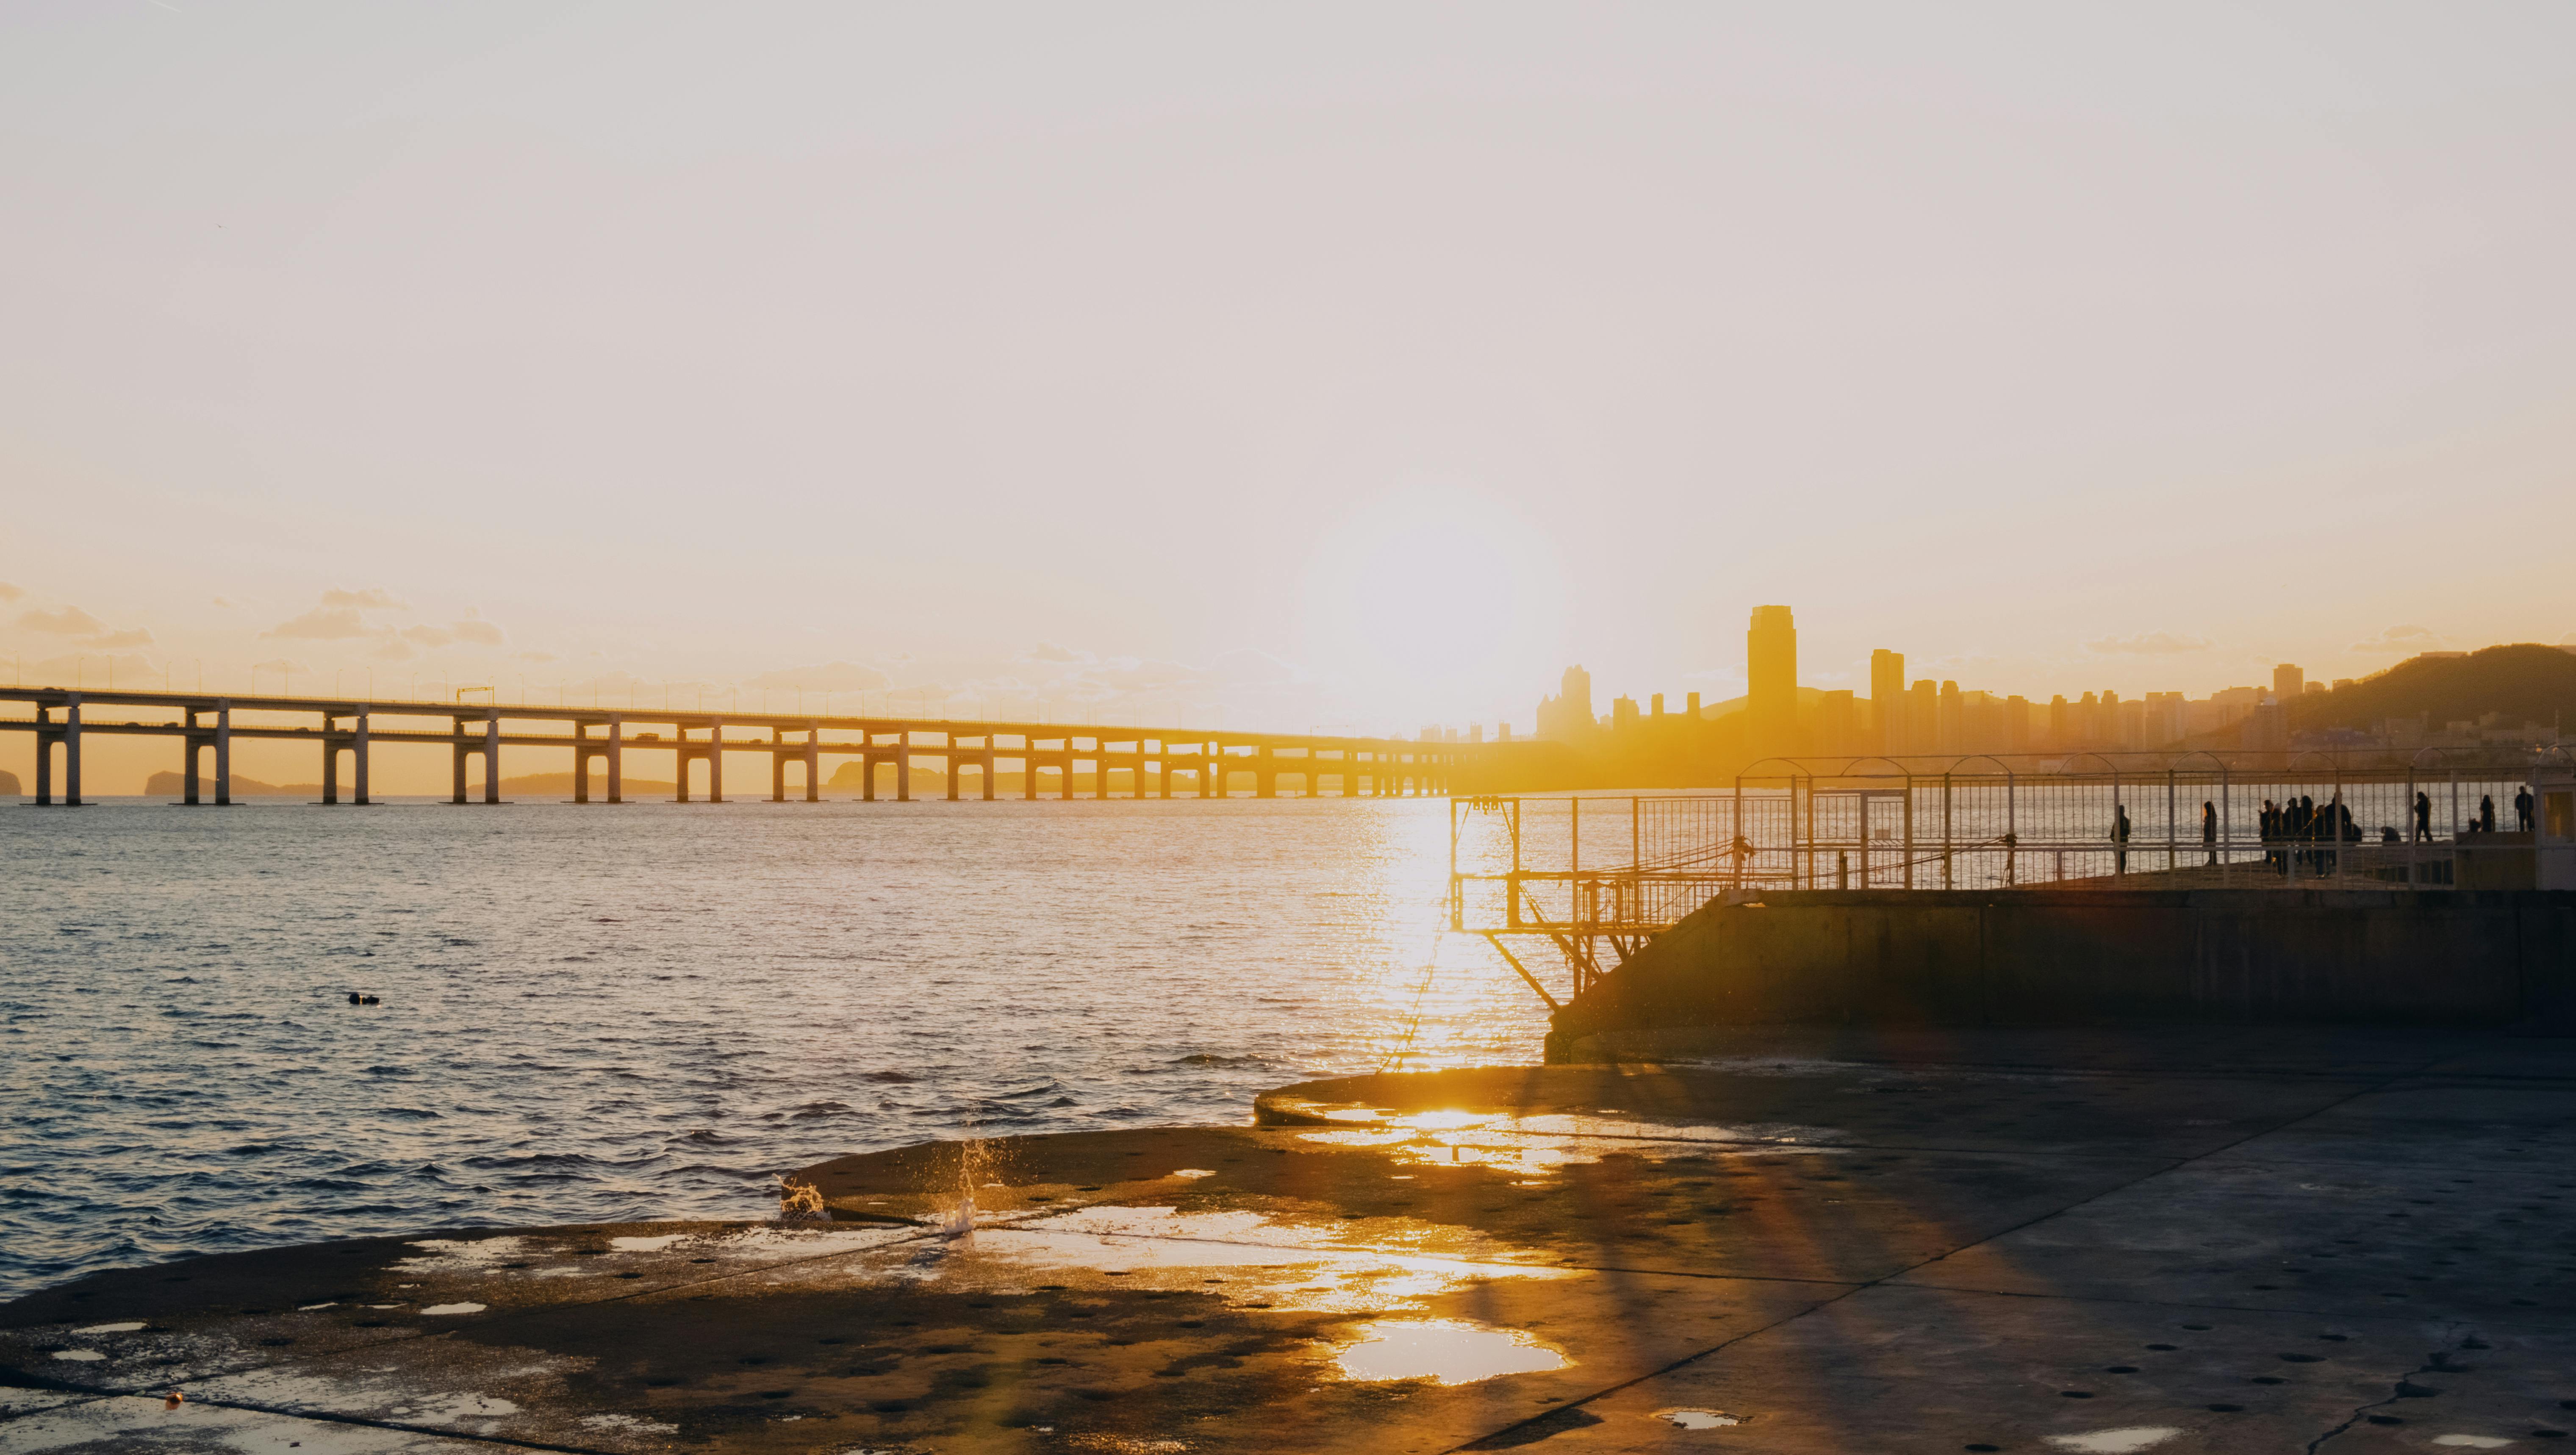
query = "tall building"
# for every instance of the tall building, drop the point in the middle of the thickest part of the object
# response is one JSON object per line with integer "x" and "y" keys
{"x": 1887, "y": 700}
{"x": 2288, "y": 681}
{"x": 1771, "y": 678}
{"x": 1567, "y": 717}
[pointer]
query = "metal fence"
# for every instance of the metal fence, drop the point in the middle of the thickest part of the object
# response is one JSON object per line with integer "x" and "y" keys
{"x": 1597, "y": 873}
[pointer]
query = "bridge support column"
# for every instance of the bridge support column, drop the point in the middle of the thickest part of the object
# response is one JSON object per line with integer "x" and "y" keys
{"x": 580, "y": 763}
{"x": 358, "y": 762}
{"x": 44, "y": 763}
{"x": 223, "y": 754}
{"x": 868, "y": 770}
{"x": 1212, "y": 772}
{"x": 456, "y": 751}
{"x": 1265, "y": 777}
{"x": 617, "y": 760}
{"x": 1314, "y": 784}
{"x": 71, "y": 751}
{"x": 952, "y": 768}
{"x": 903, "y": 766}
{"x": 715, "y": 761}
{"x": 814, "y": 764}
{"x": 1163, "y": 771}
{"x": 681, "y": 755}
{"x": 492, "y": 756}
{"x": 988, "y": 770}
{"x": 1028, "y": 770}
{"x": 330, "y": 764}
{"x": 194, "y": 744}
{"x": 777, "y": 775}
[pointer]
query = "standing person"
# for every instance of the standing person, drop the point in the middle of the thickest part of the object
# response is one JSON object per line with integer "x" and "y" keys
{"x": 2522, "y": 810}
{"x": 2423, "y": 817}
{"x": 2486, "y": 813}
{"x": 2209, "y": 829}
{"x": 2120, "y": 839}
{"x": 2270, "y": 829}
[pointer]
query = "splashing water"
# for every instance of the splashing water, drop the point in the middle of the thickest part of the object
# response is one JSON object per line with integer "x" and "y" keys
{"x": 973, "y": 1161}
{"x": 800, "y": 1202}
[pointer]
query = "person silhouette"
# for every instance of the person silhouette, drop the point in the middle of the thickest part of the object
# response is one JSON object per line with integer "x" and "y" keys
{"x": 2120, "y": 839}
{"x": 2486, "y": 813}
{"x": 2522, "y": 810}
{"x": 2209, "y": 828}
{"x": 2423, "y": 817}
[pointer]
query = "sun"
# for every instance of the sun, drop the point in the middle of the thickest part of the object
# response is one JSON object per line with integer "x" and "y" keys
{"x": 1433, "y": 603}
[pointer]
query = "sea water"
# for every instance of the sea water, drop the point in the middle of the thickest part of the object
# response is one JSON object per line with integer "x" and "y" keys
{"x": 650, "y": 1011}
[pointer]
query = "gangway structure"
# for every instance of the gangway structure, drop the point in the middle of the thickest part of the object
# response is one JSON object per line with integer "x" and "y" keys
{"x": 1595, "y": 877}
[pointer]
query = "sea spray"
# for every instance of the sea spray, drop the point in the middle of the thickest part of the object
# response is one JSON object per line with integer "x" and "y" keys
{"x": 973, "y": 1161}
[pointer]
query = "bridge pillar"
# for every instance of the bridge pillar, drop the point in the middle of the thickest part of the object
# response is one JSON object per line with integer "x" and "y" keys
{"x": 616, "y": 759}
{"x": 814, "y": 764}
{"x": 952, "y": 769}
{"x": 223, "y": 753}
{"x": 71, "y": 751}
{"x": 777, "y": 774}
{"x": 1212, "y": 771}
{"x": 988, "y": 770}
{"x": 194, "y": 743}
{"x": 580, "y": 763}
{"x": 868, "y": 769}
{"x": 1265, "y": 777}
{"x": 492, "y": 756}
{"x": 1314, "y": 787}
{"x": 330, "y": 763}
{"x": 358, "y": 762}
{"x": 1028, "y": 768}
{"x": 903, "y": 766}
{"x": 1163, "y": 770}
{"x": 456, "y": 750}
{"x": 715, "y": 761}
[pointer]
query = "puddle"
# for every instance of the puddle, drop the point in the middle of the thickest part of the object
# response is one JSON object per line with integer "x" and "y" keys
{"x": 1538, "y": 1154}
{"x": 109, "y": 1329}
{"x": 78, "y": 1356}
{"x": 461, "y": 1255}
{"x": 645, "y": 1245}
{"x": 1451, "y": 1351}
{"x": 628, "y": 1425}
{"x": 1195, "y": 1172}
{"x": 2471, "y": 1442}
{"x": 1698, "y": 1419}
{"x": 1317, "y": 1269}
{"x": 2116, "y": 1442}
{"x": 453, "y": 1308}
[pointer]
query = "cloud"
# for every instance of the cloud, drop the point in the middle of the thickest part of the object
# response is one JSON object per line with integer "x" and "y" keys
{"x": 226, "y": 602}
{"x": 427, "y": 636}
{"x": 322, "y": 624}
{"x": 136, "y": 637}
{"x": 374, "y": 598}
{"x": 2401, "y": 639}
{"x": 481, "y": 632}
{"x": 2149, "y": 644}
{"x": 278, "y": 664}
{"x": 66, "y": 621}
{"x": 1050, "y": 652}
{"x": 834, "y": 676}
{"x": 9, "y": 592}
{"x": 538, "y": 657}
{"x": 394, "y": 649}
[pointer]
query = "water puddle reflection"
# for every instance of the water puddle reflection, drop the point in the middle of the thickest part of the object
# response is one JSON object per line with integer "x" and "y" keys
{"x": 1451, "y": 1351}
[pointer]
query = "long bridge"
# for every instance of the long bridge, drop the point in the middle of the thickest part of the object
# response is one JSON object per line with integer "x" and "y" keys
{"x": 1210, "y": 762}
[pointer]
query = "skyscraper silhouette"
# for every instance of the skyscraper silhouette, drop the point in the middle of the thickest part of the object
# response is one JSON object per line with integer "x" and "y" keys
{"x": 1887, "y": 700}
{"x": 1771, "y": 678}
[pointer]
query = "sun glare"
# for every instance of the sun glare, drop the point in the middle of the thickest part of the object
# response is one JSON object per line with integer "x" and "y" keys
{"x": 1429, "y": 595}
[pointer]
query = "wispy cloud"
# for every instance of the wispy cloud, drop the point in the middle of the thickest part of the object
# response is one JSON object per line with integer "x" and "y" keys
{"x": 63, "y": 621}
{"x": 131, "y": 637}
{"x": 2149, "y": 644}
{"x": 374, "y": 598}
{"x": 2401, "y": 639}
{"x": 322, "y": 624}
{"x": 481, "y": 633}
{"x": 9, "y": 592}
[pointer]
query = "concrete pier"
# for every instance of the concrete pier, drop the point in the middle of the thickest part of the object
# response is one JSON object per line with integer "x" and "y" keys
{"x": 1804, "y": 1243}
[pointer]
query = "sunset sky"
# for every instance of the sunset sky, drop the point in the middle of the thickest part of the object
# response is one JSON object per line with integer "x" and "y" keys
{"x": 1354, "y": 367}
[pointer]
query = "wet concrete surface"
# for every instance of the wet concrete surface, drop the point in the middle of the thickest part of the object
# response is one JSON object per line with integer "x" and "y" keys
{"x": 1798, "y": 1241}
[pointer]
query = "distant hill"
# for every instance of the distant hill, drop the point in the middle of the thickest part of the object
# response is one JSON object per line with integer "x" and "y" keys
{"x": 9, "y": 785}
{"x": 2525, "y": 683}
{"x": 170, "y": 783}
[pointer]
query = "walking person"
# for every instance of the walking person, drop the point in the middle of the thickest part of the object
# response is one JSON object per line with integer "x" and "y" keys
{"x": 2423, "y": 818}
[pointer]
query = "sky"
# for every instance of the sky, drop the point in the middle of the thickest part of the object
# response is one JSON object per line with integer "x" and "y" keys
{"x": 1340, "y": 367}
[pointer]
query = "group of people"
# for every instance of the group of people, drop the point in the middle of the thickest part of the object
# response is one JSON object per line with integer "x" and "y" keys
{"x": 2299, "y": 825}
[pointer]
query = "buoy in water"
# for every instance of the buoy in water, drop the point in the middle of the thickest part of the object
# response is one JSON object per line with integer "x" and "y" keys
{"x": 370, "y": 1000}
{"x": 353, "y": 998}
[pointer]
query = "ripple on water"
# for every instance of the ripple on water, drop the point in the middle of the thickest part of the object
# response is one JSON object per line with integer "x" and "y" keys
{"x": 1158, "y": 963}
